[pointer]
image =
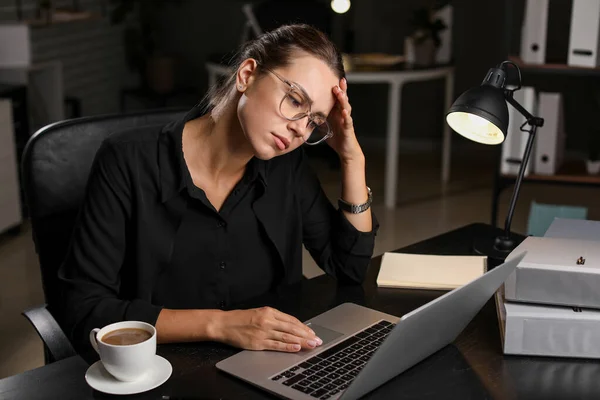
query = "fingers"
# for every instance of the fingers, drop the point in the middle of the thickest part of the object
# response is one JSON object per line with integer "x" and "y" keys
{"x": 344, "y": 84}
{"x": 342, "y": 96}
{"x": 280, "y": 346}
{"x": 347, "y": 119}
{"x": 291, "y": 333}
{"x": 293, "y": 320}
{"x": 289, "y": 329}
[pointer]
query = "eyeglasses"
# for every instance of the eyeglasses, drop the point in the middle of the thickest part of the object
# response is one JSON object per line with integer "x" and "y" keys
{"x": 295, "y": 105}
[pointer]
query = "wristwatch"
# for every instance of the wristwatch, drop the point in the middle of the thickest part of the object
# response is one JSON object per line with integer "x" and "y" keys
{"x": 356, "y": 209}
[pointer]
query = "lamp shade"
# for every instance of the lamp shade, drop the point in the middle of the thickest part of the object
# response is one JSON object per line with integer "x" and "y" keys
{"x": 480, "y": 114}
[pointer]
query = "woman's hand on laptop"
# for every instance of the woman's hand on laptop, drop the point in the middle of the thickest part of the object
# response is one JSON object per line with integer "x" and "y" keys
{"x": 264, "y": 329}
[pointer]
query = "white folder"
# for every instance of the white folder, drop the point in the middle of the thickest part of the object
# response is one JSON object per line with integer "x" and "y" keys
{"x": 550, "y": 138}
{"x": 533, "y": 32}
{"x": 584, "y": 39}
{"x": 513, "y": 147}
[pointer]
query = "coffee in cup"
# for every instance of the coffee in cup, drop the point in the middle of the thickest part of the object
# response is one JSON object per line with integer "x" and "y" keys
{"x": 126, "y": 336}
{"x": 127, "y": 349}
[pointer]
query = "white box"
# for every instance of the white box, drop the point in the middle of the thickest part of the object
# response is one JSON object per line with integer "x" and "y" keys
{"x": 584, "y": 39}
{"x": 533, "y": 32}
{"x": 569, "y": 228}
{"x": 15, "y": 46}
{"x": 513, "y": 147}
{"x": 550, "y": 138}
{"x": 550, "y": 273}
{"x": 534, "y": 330}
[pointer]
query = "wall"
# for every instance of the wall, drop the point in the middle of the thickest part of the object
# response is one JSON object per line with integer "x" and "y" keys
{"x": 197, "y": 29}
{"x": 91, "y": 52}
{"x": 381, "y": 26}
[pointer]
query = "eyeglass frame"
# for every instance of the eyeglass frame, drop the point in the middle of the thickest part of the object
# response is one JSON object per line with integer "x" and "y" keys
{"x": 302, "y": 115}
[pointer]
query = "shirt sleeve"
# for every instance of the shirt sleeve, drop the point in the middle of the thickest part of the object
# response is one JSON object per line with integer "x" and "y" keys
{"x": 335, "y": 244}
{"x": 91, "y": 270}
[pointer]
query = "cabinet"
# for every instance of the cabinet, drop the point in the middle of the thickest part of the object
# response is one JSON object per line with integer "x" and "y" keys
{"x": 10, "y": 197}
{"x": 571, "y": 173}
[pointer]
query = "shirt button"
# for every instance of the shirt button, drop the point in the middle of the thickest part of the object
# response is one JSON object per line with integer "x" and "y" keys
{"x": 222, "y": 265}
{"x": 222, "y": 304}
{"x": 220, "y": 224}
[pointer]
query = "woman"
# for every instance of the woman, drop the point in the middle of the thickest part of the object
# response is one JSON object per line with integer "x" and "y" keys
{"x": 182, "y": 222}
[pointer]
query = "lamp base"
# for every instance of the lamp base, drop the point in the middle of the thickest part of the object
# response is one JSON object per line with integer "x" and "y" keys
{"x": 496, "y": 249}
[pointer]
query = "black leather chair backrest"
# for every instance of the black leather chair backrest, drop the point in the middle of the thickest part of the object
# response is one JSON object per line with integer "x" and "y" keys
{"x": 55, "y": 167}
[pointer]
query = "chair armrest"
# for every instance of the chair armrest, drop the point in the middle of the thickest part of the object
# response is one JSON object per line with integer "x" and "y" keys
{"x": 56, "y": 342}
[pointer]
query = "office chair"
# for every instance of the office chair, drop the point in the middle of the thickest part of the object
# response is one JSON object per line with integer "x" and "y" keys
{"x": 55, "y": 166}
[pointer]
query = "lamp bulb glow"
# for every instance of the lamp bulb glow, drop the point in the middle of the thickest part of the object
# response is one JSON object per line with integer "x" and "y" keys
{"x": 340, "y": 6}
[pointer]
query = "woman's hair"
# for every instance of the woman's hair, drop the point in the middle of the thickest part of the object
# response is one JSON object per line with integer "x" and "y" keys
{"x": 276, "y": 49}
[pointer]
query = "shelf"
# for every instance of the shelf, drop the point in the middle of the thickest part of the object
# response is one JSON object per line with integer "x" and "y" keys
{"x": 556, "y": 69}
{"x": 61, "y": 17}
{"x": 573, "y": 172}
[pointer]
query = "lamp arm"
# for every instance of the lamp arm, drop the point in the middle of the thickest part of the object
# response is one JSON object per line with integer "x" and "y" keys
{"x": 534, "y": 122}
{"x": 531, "y": 120}
{"x": 517, "y": 188}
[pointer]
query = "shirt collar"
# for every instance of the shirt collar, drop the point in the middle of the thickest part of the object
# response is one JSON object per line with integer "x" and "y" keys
{"x": 172, "y": 166}
{"x": 258, "y": 169}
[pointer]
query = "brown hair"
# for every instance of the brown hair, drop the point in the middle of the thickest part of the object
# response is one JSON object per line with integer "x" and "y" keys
{"x": 275, "y": 49}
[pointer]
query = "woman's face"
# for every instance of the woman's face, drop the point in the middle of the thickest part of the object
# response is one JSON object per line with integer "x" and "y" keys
{"x": 268, "y": 132}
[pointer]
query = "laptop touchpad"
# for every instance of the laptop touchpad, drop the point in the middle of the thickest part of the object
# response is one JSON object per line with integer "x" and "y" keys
{"x": 326, "y": 335}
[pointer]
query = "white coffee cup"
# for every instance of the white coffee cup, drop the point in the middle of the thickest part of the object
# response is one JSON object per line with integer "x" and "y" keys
{"x": 125, "y": 362}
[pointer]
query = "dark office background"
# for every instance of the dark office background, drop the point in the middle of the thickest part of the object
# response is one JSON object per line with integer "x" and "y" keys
{"x": 95, "y": 71}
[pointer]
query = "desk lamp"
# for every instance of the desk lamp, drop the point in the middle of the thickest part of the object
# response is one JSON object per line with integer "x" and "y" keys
{"x": 481, "y": 114}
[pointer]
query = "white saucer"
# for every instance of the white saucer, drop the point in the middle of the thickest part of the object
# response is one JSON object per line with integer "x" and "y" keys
{"x": 98, "y": 378}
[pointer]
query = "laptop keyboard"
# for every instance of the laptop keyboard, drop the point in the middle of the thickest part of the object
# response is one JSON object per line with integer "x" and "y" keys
{"x": 330, "y": 372}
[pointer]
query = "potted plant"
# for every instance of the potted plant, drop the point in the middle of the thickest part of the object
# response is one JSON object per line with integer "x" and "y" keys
{"x": 155, "y": 67}
{"x": 593, "y": 161}
{"x": 44, "y": 11}
{"x": 425, "y": 38}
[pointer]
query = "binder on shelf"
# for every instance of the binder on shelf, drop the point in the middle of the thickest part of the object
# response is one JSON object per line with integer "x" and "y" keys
{"x": 514, "y": 145}
{"x": 550, "y": 139}
{"x": 584, "y": 38}
{"x": 533, "y": 32}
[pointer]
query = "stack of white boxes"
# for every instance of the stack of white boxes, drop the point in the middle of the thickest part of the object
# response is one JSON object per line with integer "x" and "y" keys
{"x": 550, "y": 306}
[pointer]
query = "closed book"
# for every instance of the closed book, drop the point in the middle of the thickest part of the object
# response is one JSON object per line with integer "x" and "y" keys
{"x": 423, "y": 271}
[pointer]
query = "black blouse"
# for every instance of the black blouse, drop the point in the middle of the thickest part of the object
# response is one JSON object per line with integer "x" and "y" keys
{"x": 148, "y": 238}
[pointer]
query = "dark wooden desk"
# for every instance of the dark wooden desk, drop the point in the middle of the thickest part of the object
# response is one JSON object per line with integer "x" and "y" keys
{"x": 472, "y": 368}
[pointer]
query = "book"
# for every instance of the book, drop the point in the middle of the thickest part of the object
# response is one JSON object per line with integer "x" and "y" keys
{"x": 421, "y": 271}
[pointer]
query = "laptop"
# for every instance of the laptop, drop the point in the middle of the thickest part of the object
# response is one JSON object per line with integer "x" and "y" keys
{"x": 363, "y": 348}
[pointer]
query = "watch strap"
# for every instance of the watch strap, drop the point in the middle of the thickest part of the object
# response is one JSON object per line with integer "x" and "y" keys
{"x": 356, "y": 208}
